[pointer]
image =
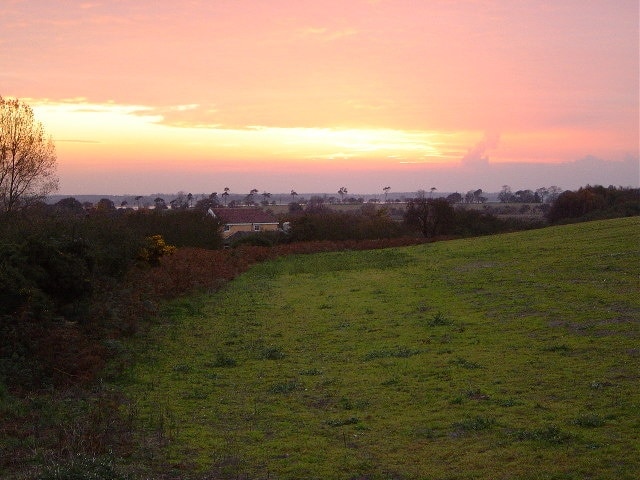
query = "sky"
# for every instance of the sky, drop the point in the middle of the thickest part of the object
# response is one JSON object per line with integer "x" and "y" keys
{"x": 163, "y": 96}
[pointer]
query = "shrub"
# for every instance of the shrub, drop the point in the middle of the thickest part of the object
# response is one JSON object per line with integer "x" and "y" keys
{"x": 595, "y": 202}
{"x": 155, "y": 248}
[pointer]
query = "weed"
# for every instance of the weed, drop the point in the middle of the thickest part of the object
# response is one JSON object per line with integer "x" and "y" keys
{"x": 390, "y": 382}
{"x": 560, "y": 348}
{"x": 599, "y": 385}
{"x": 461, "y": 362}
{"x": 223, "y": 361}
{"x": 508, "y": 402}
{"x": 476, "y": 394}
{"x": 310, "y": 372}
{"x": 398, "y": 352}
{"x": 343, "y": 422}
{"x": 182, "y": 368}
{"x": 550, "y": 435}
{"x": 425, "y": 432}
{"x": 347, "y": 404}
{"x": 439, "y": 320}
{"x": 285, "y": 387}
{"x": 475, "y": 424}
{"x": 272, "y": 353}
{"x": 589, "y": 421}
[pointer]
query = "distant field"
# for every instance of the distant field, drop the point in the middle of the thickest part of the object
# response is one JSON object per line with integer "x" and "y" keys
{"x": 511, "y": 356}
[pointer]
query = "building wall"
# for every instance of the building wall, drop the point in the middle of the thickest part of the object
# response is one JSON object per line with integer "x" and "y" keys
{"x": 249, "y": 227}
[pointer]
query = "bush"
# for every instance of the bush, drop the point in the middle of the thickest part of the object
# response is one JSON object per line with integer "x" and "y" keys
{"x": 595, "y": 203}
{"x": 155, "y": 248}
{"x": 324, "y": 224}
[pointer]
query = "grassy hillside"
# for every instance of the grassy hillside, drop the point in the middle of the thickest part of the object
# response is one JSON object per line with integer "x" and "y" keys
{"x": 512, "y": 356}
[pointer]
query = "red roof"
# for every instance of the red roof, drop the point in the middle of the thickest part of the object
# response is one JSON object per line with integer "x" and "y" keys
{"x": 244, "y": 215}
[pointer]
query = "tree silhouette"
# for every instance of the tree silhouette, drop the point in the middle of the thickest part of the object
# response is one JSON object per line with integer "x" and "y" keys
{"x": 386, "y": 192}
{"x": 27, "y": 157}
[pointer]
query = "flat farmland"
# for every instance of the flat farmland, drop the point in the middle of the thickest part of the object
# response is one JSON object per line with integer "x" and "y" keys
{"x": 508, "y": 356}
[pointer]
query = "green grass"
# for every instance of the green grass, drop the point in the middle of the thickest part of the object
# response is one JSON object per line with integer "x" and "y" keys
{"x": 511, "y": 356}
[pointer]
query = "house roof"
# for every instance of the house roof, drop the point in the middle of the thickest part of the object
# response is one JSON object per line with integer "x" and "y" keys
{"x": 244, "y": 215}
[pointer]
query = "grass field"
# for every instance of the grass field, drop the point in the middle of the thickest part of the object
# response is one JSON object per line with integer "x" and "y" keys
{"x": 511, "y": 356}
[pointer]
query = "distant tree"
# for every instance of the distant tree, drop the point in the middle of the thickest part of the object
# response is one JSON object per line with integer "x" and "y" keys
{"x": 265, "y": 198}
{"x": 316, "y": 203}
{"x": 138, "y": 198}
{"x": 553, "y": 192}
{"x": 190, "y": 199}
{"x": 294, "y": 194}
{"x": 295, "y": 208}
{"x": 468, "y": 197}
{"x": 477, "y": 196}
{"x": 430, "y": 216}
{"x": 105, "y": 205}
{"x": 70, "y": 205}
{"x": 225, "y": 194}
{"x": 542, "y": 193}
{"x": 432, "y": 189}
{"x": 159, "y": 203}
{"x": 181, "y": 201}
{"x": 27, "y": 157}
{"x": 206, "y": 203}
{"x": 505, "y": 195}
{"x": 342, "y": 192}
{"x": 249, "y": 199}
{"x": 124, "y": 204}
{"x": 386, "y": 192}
{"x": 454, "y": 198}
{"x": 524, "y": 196}
{"x": 595, "y": 202}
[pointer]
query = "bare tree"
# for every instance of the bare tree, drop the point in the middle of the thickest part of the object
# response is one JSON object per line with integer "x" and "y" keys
{"x": 342, "y": 192}
{"x": 386, "y": 192}
{"x": 27, "y": 157}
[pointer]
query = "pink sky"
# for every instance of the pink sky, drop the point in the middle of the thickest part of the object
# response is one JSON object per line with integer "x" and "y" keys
{"x": 159, "y": 96}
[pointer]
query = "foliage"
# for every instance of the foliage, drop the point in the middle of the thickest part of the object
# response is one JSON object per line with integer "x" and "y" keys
{"x": 430, "y": 216}
{"x": 321, "y": 223}
{"x": 595, "y": 202}
{"x": 182, "y": 228}
{"x": 154, "y": 249}
{"x": 63, "y": 285}
{"x": 27, "y": 157}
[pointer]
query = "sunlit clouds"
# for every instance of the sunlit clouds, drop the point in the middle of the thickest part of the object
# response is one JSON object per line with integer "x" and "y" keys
{"x": 272, "y": 93}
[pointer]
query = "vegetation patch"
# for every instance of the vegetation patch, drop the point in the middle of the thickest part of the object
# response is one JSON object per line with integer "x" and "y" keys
{"x": 361, "y": 383}
{"x": 398, "y": 352}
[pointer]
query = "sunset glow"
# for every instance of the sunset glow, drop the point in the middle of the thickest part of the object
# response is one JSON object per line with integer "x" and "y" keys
{"x": 144, "y": 97}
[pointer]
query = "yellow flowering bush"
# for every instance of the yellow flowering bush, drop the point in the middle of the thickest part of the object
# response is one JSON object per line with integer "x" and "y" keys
{"x": 155, "y": 248}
